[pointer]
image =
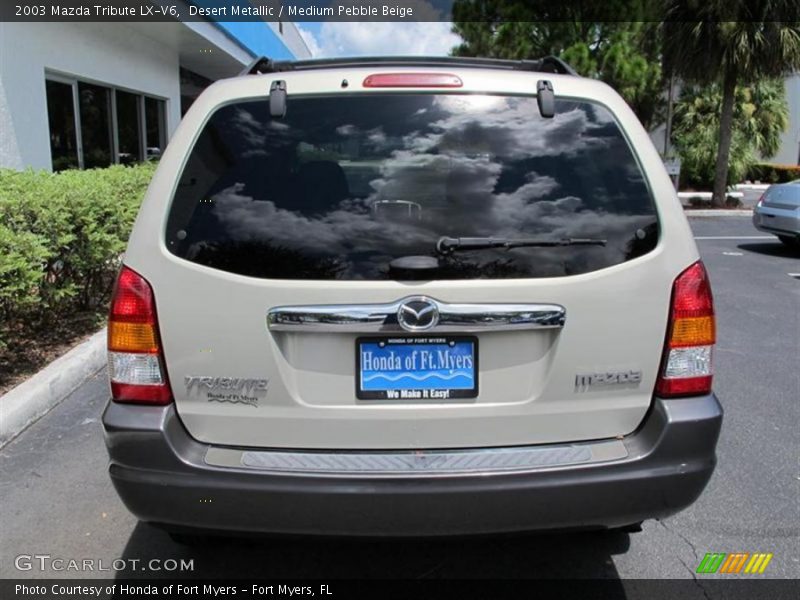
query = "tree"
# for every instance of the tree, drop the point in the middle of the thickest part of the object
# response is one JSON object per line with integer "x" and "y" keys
{"x": 626, "y": 55}
{"x": 760, "y": 115}
{"x": 730, "y": 42}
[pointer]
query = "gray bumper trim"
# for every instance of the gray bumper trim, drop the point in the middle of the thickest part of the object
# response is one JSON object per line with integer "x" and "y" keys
{"x": 162, "y": 475}
{"x": 416, "y": 463}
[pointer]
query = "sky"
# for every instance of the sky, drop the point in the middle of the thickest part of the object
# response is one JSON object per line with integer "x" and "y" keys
{"x": 355, "y": 38}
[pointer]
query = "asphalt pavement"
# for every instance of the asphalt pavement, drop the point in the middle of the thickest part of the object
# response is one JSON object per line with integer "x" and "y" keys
{"x": 56, "y": 498}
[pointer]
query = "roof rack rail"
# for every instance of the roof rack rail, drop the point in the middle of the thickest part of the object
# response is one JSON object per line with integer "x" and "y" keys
{"x": 260, "y": 65}
{"x": 548, "y": 64}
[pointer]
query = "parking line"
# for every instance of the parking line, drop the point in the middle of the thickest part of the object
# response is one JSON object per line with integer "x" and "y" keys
{"x": 734, "y": 237}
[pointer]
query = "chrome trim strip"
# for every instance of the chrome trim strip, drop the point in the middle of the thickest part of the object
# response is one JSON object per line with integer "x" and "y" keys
{"x": 468, "y": 461}
{"x": 382, "y": 318}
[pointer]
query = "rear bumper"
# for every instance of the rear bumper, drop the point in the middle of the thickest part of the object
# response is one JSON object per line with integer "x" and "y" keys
{"x": 162, "y": 476}
{"x": 778, "y": 221}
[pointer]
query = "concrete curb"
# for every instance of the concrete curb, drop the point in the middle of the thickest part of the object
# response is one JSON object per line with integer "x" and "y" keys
{"x": 719, "y": 212}
{"x": 755, "y": 187}
{"x": 33, "y": 398}
{"x": 706, "y": 195}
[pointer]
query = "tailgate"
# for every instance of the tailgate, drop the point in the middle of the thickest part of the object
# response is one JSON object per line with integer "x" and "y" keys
{"x": 292, "y": 244}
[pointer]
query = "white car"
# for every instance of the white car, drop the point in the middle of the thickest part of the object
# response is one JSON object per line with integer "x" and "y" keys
{"x": 410, "y": 297}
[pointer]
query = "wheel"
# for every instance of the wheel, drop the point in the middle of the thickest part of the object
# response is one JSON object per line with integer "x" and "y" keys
{"x": 792, "y": 242}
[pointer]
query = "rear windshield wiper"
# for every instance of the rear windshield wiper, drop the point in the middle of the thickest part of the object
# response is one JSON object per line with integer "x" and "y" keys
{"x": 446, "y": 245}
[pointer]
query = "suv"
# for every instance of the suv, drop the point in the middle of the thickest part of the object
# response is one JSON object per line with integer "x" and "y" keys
{"x": 410, "y": 297}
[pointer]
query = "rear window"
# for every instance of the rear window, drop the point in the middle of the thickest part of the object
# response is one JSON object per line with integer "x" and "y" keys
{"x": 342, "y": 186}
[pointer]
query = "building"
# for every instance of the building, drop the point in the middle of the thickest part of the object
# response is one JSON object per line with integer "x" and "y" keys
{"x": 789, "y": 152}
{"x": 84, "y": 94}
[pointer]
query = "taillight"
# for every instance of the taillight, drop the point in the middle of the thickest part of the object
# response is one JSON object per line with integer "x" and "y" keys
{"x": 686, "y": 368}
{"x": 760, "y": 200}
{"x": 135, "y": 360}
{"x": 387, "y": 80}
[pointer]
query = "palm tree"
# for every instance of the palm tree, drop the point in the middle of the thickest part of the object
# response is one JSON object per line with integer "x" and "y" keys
{"x": 731, "y": 42}
{"x": 765, "y": 114}
{"x": 760, "y": 116}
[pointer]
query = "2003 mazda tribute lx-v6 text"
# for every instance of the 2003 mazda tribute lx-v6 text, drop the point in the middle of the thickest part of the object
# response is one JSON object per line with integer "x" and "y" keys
{"x": 410, "y": 297}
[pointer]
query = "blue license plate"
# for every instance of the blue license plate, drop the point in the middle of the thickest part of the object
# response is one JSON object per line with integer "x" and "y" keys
{"x": 417, "y": 368}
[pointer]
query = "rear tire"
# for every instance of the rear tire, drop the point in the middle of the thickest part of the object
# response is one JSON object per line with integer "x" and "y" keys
{"x": 792, "y": 242}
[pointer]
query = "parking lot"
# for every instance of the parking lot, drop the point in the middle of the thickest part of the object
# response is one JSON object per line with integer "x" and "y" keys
{"x": 57, "y": 499}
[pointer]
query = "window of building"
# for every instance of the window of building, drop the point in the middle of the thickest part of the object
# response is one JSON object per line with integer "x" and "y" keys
{"x": 109, "y": 126}
{"x": 61, "y": 118}
{"x": 129, "y": 126}
{"x": 192, "y": 85}
{"x": 155, "y": 131}
{"x": 95, "y": 110}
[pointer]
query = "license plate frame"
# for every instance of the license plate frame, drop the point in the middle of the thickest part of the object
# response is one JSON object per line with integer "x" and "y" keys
{"x": 423, "y": 392}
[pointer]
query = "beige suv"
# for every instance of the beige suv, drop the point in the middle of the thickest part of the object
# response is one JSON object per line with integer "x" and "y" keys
{"x": 410, "y": 297}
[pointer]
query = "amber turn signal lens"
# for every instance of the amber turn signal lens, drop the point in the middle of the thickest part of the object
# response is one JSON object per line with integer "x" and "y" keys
{"x": 692, "y": 331}
{"x": 131, "y": 337}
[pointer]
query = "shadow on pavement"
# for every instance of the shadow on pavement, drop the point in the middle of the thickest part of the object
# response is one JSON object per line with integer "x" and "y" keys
{"x": 776, "y": 248}
{"x": 573, "y": 555}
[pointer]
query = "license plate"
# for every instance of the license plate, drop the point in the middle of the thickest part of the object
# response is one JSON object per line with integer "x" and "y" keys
{"x": 416, "y": 368}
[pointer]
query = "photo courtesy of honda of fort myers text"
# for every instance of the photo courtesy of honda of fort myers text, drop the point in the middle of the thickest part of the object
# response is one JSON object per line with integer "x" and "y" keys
{"x": 134, "y": 589}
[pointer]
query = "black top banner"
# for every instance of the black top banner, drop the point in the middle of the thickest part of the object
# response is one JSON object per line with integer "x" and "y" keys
{"x": 225, "y": 10}
{"x": 325, "y": 10}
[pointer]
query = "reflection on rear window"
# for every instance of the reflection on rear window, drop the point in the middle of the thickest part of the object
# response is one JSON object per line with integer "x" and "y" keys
{"x": 341, "y": 186}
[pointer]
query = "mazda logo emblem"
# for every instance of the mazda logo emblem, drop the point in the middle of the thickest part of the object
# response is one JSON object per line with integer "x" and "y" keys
{"x": 418, "y": 314}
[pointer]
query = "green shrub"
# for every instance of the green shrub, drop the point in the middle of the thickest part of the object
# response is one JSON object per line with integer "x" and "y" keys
{"x": 61, "y": 236}
{"x": 769, "y": 173}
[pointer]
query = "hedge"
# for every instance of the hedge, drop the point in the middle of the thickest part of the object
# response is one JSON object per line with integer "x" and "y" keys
{"x": 61, "y": 237}
{"x": 769, "y": 173}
